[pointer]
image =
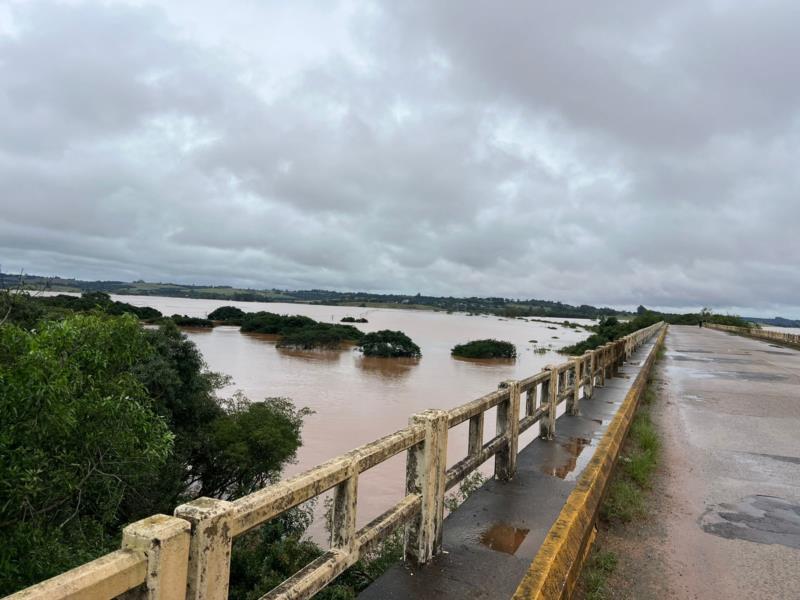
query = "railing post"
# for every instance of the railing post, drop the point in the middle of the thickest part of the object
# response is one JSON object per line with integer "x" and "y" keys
{"x": 165, "y": 542}
{"x": 345, "y": 498}
{"x": 603, "y": 355}
{"x": 547, "y": 424}
{"x": 573, "y": 403}
{"x": 475, "y": 443}
{"x": 530, "y": 400}
{"x": 425, "y": 475}
{"x": 505, "y": 461}
{"x": 588, "y": 365}
{"x": 210, "y": 548}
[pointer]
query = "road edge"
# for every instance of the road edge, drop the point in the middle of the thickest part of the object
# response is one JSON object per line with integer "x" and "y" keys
{"x": 556, "y": 568}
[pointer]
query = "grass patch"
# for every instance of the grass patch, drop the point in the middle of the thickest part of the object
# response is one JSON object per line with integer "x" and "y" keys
{"x": 637, "y": 463}
{"x": 595, "y": 574}
{"x": 626, "y": 498}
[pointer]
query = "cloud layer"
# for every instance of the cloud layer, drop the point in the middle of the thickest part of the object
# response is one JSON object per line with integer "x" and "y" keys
{"x": 617, "y": 153}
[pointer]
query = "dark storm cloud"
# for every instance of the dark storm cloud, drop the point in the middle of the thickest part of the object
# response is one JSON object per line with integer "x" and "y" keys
{"x": 617, "y": 153}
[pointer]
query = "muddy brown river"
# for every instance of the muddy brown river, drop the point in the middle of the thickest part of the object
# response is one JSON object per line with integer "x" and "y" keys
{"x": 356, "y": 399}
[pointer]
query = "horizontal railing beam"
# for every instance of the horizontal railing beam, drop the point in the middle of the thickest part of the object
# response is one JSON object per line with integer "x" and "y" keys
{"x": 201, "y": 560}
{"x": 101, "y": 579}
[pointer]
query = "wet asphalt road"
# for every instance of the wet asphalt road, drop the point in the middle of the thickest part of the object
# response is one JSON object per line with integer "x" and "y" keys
{"x": 732, "y": 444}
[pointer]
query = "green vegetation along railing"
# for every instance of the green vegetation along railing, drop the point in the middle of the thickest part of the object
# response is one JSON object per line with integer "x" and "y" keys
{"x": 188, "y": 555}
{"x": 791, "y": 339}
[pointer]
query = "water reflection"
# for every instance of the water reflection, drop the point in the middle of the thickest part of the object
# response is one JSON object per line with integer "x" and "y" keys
{"x": 311, "y": 356}
{"x": 390, "y": 369}
{"x": 486, "y": 362}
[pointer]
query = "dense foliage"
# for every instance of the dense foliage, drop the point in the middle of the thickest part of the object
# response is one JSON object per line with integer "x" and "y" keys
{"x": 485, "y": 349}
{"x": 228, "y": 314}
{"x": 301, "y": 332}
{"x": 390, "y": 344}
{"x": 611, "y": 328}
{"x": 105, "y": 422}
{"x": 354, "y": 320}
{"x": 321, "y": 337}
{"x": 185, "y": 321}
{"x": 79, "y": 436}
{"x": 30, "y": 309}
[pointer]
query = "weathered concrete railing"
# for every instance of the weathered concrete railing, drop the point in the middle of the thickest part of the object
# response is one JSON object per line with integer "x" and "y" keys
{"x": 792, "y": 339}
{"x": 152, "y": 561}
{"x": 215, "y": 523}
{"x": 160, "y": 553}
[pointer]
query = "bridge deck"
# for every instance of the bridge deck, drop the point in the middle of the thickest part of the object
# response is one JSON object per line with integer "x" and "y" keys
{"x": 512, "y": 516}
{"x": 728, "y": 522}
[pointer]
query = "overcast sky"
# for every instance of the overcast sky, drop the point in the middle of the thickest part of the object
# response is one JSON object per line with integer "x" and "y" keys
{"x": 596, "y": 152}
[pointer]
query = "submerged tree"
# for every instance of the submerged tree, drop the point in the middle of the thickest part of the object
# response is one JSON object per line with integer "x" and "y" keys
{"x": 490, "y": 348}
{"x": 387, "y": 343}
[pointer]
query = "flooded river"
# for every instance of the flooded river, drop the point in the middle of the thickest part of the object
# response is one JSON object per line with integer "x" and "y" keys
{"x": 355, "y": 399}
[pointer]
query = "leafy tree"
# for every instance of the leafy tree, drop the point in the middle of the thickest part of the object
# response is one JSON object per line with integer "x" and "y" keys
{"x": 485, "y": 349}
{"x": 388, "y": 343}
{"x": 185, "y": 321}
{"x": 229, "y": 314}
{"x": 298, "y": 331}
{"x": 79, "y": 433}
{"x": 104, "y": 423}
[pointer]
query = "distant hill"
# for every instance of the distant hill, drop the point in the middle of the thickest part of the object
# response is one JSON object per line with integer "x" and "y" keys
{"x": 494, "y": 305}
{"x": 776, "y": 321}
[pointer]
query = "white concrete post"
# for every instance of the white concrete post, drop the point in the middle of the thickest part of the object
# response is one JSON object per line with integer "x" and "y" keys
{"x": 530, "y": 401}
{"x": 345, "y": 499}
{"x": 573, "y": 403}
{"x": 475, "y": 443}
{"x": 547, "y": 424}
{"x": 210, "y": 548}
{"x": 603, "y": 364}
{"x": 425, "y": 475}
{"x": 505, "y": 461}
{"x": 164, "y": 541}
{"x": 588, "y": 366}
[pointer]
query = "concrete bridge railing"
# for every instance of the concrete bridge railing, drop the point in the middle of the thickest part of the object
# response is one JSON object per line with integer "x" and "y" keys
{"x": 188, "y": 556}
{"x": 791, "y": 339}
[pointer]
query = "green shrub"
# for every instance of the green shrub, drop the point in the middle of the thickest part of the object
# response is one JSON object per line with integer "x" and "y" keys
{"x": 321, "y": 337}
{"x": 185, "y": 321}
{"x": 387, "y": 343}
{"x": 485, "y": 349}
{"x": 229, "y": 314}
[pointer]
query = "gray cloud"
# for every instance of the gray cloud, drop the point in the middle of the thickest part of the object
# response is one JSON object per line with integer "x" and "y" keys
{"x": 614, "y": 154}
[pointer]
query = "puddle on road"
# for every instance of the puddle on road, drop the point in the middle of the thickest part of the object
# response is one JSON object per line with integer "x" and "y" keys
{"x": 574, "y": 448}
{"x": 760, "y": 519}
{"x": 694, "y": 397}
{"x": 503, "y": 537}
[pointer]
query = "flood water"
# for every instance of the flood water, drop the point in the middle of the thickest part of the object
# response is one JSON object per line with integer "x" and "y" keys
{"x": 355, "y": 399}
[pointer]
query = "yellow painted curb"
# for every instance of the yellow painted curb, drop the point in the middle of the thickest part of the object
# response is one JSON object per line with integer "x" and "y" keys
{"x": 556, "y": 567}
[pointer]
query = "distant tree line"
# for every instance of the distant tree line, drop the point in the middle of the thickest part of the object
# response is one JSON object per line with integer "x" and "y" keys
{"x": 612, "y": 328}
